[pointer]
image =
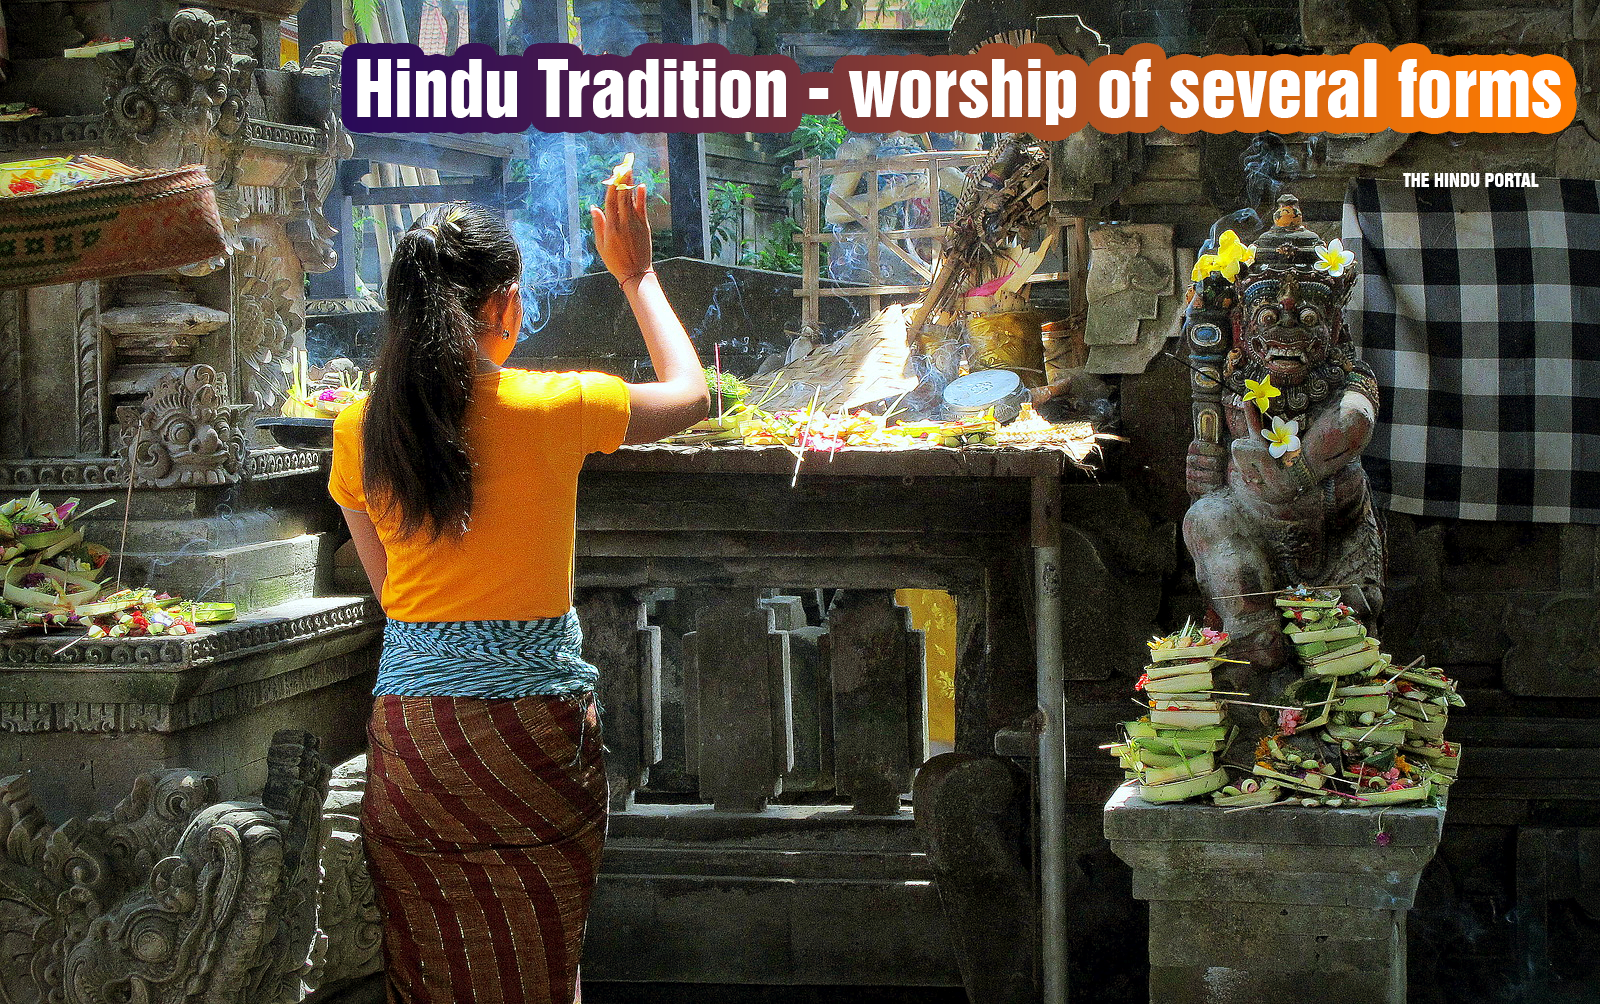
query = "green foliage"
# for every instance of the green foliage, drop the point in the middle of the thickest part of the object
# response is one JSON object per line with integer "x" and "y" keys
{"x": 936, "y": 14}
{"x": 780, "y": 253}
{"x": 726, "y": 384}
{"x": 818, "y": 136}
{"x": 725, "y": 203}
{"x": 365, "y": 14}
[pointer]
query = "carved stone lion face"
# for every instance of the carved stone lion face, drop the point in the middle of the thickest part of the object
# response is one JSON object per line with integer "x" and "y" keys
{"x": 1288, "y": 326}
{"x": 185, "y": 433}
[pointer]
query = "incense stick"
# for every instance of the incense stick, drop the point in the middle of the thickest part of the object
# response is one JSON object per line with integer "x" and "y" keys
{"x": 800, "y": 453}
{"x": 70, "y": 644}
{"x": 716, "y": 355}
{"x": 127, "y": 506}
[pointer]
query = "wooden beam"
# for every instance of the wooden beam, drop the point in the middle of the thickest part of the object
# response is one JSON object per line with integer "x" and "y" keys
{"x": 423, "y": 194}
{"x": 880, "y": 236}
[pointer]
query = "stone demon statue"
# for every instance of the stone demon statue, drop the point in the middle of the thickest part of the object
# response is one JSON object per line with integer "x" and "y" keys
{"x": 1282, "y": 410}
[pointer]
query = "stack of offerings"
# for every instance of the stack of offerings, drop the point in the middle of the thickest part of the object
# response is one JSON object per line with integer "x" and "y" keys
{"x": 1367, "y": 713}
{"x": 1173, "y": 751}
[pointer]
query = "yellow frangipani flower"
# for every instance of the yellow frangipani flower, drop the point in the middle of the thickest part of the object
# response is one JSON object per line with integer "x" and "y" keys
{"x": 1231, "y": 254}
{"x": 1226, "y": 260}
{"x": 1261, "y": 392}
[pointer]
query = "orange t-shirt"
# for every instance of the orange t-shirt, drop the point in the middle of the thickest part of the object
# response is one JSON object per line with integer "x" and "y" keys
{"x": 527, "y": 435}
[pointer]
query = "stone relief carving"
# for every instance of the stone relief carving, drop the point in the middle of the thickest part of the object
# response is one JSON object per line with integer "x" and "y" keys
{"x": 265, "y": 323}
{"x": 178, "y": 97}
{"x": 60, "y": 473}
{"x": 184, "y": 433}
{"x": 1133, "y": 289}
{"x": 11, "y": 438}
{"x": 170, "y": 897}
{"x": 308, "y": 229}
{"x": 91, "y": 359}
{"x": 1343, "y": 23}
{"x": 349, "y": 928}
{"x": 1554, "y": 648}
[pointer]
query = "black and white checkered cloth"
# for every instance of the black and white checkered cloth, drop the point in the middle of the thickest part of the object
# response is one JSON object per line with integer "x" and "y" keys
{"x": 1479, "y": 309}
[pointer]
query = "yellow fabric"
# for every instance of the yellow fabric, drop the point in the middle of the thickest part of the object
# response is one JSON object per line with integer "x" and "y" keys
{"x": 527, "y": 435}
{"x": 933, "y": 612}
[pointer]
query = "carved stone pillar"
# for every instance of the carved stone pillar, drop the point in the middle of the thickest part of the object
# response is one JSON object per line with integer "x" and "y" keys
{"x": 875, "y": 656}
{"x": 620, "y": 641}
{"x": 742, "y": 678}
{"x": 349, "y": 940}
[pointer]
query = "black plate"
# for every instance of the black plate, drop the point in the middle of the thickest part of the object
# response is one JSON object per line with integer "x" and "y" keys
{"x": 300, "y": 433}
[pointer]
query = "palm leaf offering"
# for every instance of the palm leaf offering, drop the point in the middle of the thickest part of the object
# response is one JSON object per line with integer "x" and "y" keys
{"x": 1359, "y": 732}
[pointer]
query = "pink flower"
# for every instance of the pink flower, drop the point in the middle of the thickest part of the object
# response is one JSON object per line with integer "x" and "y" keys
{"x": 328, "y": 395}
{"x": 1398, "y": 786}
{"x": 1211, "y": 637}
{"x": 1289, "y": 721}
{"x": 1384, "y": 839}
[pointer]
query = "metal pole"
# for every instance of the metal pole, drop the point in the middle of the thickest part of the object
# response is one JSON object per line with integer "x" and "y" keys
{"x": 1052, "y": 744}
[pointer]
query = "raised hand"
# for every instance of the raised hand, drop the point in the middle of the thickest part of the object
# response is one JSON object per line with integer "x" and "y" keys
{"x": 622, "y": 230}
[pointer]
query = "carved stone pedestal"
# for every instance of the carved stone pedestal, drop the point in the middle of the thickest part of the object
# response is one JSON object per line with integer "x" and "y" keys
{"x": 1275, "y": 905}
{"x": 81, "y": 719}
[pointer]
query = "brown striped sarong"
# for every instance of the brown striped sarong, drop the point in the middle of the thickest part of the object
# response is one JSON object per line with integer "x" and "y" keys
{"x": 483, "y": 823}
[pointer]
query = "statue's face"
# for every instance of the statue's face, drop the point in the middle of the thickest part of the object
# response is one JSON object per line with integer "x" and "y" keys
{"x": 1288, "y": 328}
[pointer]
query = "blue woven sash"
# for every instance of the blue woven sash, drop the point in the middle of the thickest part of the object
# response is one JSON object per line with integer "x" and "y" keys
{"x": 487, "y": 659}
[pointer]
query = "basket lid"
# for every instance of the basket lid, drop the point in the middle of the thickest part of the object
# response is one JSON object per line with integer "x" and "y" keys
{"x": 982, "y": 389}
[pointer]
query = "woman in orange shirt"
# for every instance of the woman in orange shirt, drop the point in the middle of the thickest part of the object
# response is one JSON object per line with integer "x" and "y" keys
{"x": 486, "y": 798}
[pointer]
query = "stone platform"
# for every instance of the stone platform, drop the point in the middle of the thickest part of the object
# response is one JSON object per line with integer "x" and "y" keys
{"x": 82, "y": 719}
{"x": 1276, "y": 905}
{"x": 691, "y": 895}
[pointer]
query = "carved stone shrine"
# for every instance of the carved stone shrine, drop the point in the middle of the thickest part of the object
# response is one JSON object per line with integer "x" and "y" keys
{"x": 137, "y": 879}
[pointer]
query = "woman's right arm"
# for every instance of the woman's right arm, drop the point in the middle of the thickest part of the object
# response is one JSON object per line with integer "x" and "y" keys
{"x": 374, "y": 559}
{"x": 678, "y": 398}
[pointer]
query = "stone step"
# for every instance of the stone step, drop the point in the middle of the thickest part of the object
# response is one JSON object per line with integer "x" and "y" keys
{"x": 779, "y": 827}
{"x": 795, "y": 895}
{"x": 625, "y": 858}
{"x": 254, "y": 576}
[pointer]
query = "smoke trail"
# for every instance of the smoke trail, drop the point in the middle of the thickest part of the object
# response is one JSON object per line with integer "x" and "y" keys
{"x": 1267, "y": 165}
{"x": 1245, "y": 222}
{"x": 542, "y": 225}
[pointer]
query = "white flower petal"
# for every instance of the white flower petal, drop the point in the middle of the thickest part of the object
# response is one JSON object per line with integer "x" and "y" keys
{"x": 1277, "y": 450}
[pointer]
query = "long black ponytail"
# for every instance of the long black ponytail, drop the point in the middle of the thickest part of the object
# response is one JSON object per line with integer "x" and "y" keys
{"x": 414, "y": 444}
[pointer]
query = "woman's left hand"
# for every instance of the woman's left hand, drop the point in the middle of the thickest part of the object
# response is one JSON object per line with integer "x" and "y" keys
{"x": 622, "y": 231}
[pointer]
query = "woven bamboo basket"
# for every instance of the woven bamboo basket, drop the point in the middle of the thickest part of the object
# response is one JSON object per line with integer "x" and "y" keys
{"x": 104, "y": 229}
